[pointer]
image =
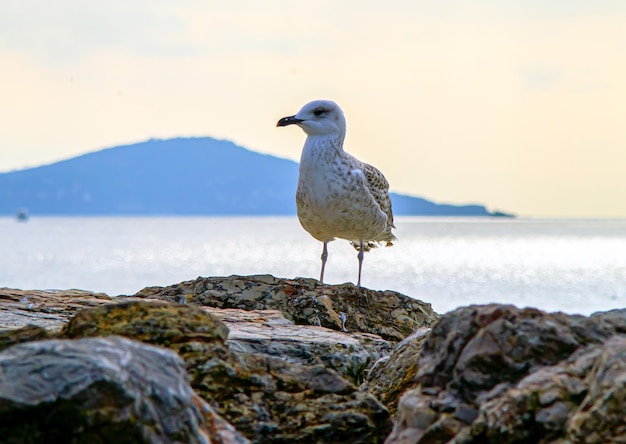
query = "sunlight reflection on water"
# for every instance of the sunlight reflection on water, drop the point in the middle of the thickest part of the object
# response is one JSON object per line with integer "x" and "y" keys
{"x": 569, "y": 265}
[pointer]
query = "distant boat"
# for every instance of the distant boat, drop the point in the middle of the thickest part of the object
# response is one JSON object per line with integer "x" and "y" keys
{"x": 22, "y": 215}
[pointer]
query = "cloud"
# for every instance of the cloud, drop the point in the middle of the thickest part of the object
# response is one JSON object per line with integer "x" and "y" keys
{"x": 70, "y": 30}
{"x": 541, "y": 77}
{"x": 454, "y": 100}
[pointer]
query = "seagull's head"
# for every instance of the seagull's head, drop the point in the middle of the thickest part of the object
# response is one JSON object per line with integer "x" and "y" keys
{"x": 317, "y": 118}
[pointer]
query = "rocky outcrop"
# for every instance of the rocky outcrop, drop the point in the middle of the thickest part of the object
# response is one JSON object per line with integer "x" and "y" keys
{"x": 254, "y": 353}
{"x": 499, "y": 374}
{"x": 27, "y": 333}
{"x": 102, "y": 390}
{"x": 268, "y": 399}
{"x": 599, "y": 418}
{"x": 580, "y": 400}
{"x": 268, "y": 333}
{"x": 48, "y": 309}
{"x": 388, "y": 314}
{"x": 392, "y": 375}
{"x": 273, "y": 380}
{"x": 42, "y": 313}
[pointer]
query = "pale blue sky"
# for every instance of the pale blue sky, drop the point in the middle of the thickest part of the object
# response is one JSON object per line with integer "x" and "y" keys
{"x": 515, "y": 104}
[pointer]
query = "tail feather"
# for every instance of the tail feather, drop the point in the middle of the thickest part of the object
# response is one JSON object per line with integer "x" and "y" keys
{"x": 367, "y": 246}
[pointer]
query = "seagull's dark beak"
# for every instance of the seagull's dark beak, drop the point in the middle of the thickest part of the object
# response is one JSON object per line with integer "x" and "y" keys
{"x": 288, "y": 121}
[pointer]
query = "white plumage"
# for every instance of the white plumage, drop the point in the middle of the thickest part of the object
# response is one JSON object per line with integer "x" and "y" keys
{"x": 338, "y": 196}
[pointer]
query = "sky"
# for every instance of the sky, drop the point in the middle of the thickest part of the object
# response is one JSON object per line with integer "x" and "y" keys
{"x": 519, "y": 105}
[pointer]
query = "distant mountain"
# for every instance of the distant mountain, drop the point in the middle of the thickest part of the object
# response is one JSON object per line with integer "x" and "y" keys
{"x": 184, "y": 176}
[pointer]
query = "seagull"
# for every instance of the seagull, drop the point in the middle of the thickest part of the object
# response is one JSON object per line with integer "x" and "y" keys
{"x": 338, "y": 196}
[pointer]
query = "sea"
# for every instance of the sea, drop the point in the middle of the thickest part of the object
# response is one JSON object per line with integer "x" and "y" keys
{"x": 574, "y": 266}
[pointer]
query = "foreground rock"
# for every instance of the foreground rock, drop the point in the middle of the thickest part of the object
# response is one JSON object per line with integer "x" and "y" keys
{"x": 483, "y": 374}
{"x": 499, "y": 374}
{"x": 388, "y": 314}
{"x": 269, "y": 399}
{"x": 580, "y": 400}
{"x": 102, "y": 390}
{"x": 267, "y": 332}
{"x": 274, "y": 380}
{"x": 392, "y": 375}
{"x": 41, "y": 314}
{"x": 48, "y": 309}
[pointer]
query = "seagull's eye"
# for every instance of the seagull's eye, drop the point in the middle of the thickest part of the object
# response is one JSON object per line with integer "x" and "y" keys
{"x": 319, "y": 111}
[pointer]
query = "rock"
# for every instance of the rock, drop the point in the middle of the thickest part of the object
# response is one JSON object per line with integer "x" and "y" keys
{"x": 196, "y": 335}
{"x": 102, "y": 390}
{"x": 269, "y": 399}
{"x": 25, "y": 334}
{"x": 426, "y": 416}
{"x": 390, "y": 313}
{"x": 392, "y": 375}
{"x": 538, "y": 406}
{"x": 345, "y": 307}
{"x": 483, "y": 374}
{"x": 49, "y": 309}
{"x": 579, "y": 400}
{"x": 499, "y": 374}
{"x": 474, "y": 348}
{"x": 267, "y": 332}
{"x": 275, "y": 402}
{"x": 274, "y": 380}
{"x": 263, "y": 331}
{"x": 153, "y": 322}
{"x": 600, "y": 416}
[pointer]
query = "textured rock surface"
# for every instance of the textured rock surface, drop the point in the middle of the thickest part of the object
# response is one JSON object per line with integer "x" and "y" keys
{"x": 388, "y": 314}
{"x": 267, "y": 332}
{"x": 27, "y": 333}
{"x": 268, "y": 399}
{"x": 37, "y": 314}
{"x": 49, "y": 309}
{"x": 539, "y": 405}
{"x": 600, "y": 416}
{"x": 272, "y": 379}
{"x": 580, "y": 400}
{"x": 499, "y": 374}
{"x": 272, "y": 401}
{"x": 483, "y": 374}
{"x": 394, "y": 374}
{"x": 102, "y": 390}
{"x": 149, "y": 321}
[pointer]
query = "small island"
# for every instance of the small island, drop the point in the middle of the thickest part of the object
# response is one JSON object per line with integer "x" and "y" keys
{"x": 184, "y": 176}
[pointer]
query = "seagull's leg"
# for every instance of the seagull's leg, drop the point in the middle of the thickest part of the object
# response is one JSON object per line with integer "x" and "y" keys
{"x": 360, "y": 256}
{"x": 324, "y": 257}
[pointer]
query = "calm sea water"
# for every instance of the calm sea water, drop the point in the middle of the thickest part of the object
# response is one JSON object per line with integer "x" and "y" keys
{"x": 576, "y": 266}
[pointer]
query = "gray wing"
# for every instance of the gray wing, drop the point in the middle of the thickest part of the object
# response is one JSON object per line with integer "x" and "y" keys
{"x": 379, "y": 187}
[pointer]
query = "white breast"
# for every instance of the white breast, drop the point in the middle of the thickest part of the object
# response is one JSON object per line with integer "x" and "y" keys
{"x": 333, "y": 199}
